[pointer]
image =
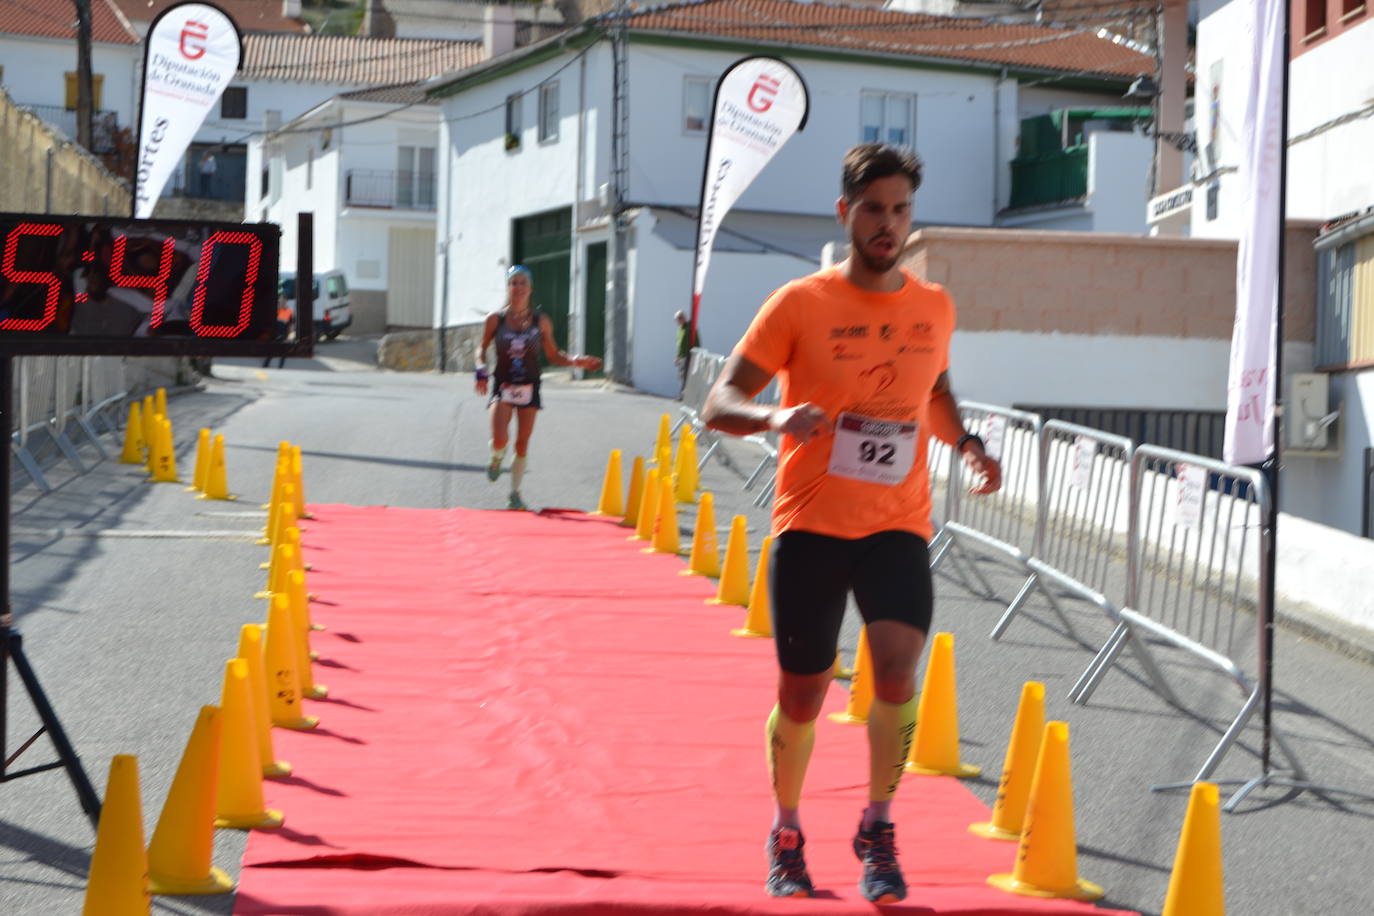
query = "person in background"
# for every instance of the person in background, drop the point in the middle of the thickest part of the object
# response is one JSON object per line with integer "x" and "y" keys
{"x": 687, "y": 338}
{"x": 285, "y": 318}
{"x": 208, "y": 167}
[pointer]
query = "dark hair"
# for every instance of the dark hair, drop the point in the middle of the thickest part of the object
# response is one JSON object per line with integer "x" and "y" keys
{"x": 867, "y": 162}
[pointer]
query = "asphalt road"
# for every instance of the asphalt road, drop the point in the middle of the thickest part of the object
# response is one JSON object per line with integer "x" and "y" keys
{"x": 130, "y": 597}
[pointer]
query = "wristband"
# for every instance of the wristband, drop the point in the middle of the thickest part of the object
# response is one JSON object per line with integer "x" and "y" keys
{"x": 965, "y": 439}
{"x": 481, "y": 373}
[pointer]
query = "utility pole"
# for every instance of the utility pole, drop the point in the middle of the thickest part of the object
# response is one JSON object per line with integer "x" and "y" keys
{"x": 618, "y": 323}
{"x": 84, "y": 113}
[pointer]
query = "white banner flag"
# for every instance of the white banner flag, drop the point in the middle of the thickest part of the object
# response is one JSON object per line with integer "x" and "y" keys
{"x": 192, "y": 52}
{"x": 760, "y": 103}
{"x": 1250, "y": 433}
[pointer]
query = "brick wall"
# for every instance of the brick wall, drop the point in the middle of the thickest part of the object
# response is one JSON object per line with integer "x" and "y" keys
{"x": 1079, "y": 283}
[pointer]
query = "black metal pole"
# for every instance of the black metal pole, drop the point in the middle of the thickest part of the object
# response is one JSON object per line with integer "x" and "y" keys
{"x": 11, "y": 646}
{"x": 1271, "y": 464}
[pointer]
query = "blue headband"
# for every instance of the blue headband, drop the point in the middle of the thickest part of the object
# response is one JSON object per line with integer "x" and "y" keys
{"x": 520, "y": 269}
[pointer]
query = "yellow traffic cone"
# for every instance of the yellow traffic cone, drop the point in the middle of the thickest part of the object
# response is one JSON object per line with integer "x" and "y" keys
{"x": 1009, "y": 810}
{"x": 758, "y": 622}
{"x": 648, "y": 508}
{"x": 161, "y": 402}
{"x": 684, "y": 483}
{"x": 250, "y": 651}
{"x": 610, "y": 502}
{"x": 149, "y": 431}
{"x": 184, "y": 839}
{"x": 635, "y": 493}
{"x": 665, "y": 524}
{"x": 202, "y": 471}
{"x": 1196, "y": 887}
{"x": 734, "y": 575}
{"x": 935, "y": 750}
{"x": 298, "y": 481}
{"x": 664, "y": 462}
{"x": 118, "y": 882}
{"x": 691, "y": 462}
{"x": 300, "y": 618}
{"x": 1047, "y": 860}
{"x": 283, "y": 559}
{"x": 280, "y": 473}
{"x": 705, "y": 558}
{"x": 134, "y": 444}
{"x": 280, "y": 662}
{"x": 838, "y": 671}
{"x": 861, "y": 689}
{"x": 281, "y": 517}
{"x": 216, "y": 483}
{"x": 238, "y": 798}
{"x": 665, "y": 438}
{"x": 165, "y": 464}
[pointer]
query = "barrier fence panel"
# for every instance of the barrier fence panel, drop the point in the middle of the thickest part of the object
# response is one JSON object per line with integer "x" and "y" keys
{"x": 1196, "y": 546}
{"x": 939, "y": 455}
{"x": 1082, "y": 519}
{"x": 66, "y": 391}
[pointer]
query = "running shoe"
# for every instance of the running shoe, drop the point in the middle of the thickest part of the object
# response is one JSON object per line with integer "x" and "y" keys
{"x": 516, "y": 502}
{"x": 787, "y": 875}
{"x": 494, "y": 469}
{"x": 882, "y": 880}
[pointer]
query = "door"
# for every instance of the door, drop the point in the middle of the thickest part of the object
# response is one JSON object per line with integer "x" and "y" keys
{"x": 594, "y": 338}
{"x": 543, "y": 243}
{"x": 410, "y": 278}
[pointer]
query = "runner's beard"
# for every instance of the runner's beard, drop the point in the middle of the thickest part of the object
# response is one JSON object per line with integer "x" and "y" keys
{"x": 876, "y": 264}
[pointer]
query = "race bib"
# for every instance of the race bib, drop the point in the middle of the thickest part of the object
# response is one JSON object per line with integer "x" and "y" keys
{"x": 875, "y": 451}
{"x": 518, "y": 395}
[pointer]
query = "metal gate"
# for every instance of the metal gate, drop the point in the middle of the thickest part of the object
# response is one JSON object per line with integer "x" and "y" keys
{"x": 410, "y": 278}
{"x": 543, "y": 243}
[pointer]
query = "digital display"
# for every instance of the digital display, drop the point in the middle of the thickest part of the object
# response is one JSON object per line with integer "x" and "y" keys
{"x": 89, "y": 285}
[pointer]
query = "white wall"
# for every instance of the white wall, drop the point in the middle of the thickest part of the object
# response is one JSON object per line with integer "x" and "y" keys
{"x": 1331, "y": 489}
{"x": 1119, "y": 180}
{"x": 35, "y": 71}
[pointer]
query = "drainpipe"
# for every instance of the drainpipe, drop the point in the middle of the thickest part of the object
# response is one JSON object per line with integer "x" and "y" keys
{"x": 446, "y": 243}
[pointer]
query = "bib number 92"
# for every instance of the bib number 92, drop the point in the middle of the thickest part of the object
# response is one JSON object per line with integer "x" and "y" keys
{"x": 871, "y": 452}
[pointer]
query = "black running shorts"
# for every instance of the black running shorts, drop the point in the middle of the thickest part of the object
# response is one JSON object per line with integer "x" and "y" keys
{"x": 812, "y": 575}
{"x": 498, "y": 384}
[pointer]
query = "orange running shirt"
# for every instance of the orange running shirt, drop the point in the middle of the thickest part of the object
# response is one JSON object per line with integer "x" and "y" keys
{"x": 843, "y": 348}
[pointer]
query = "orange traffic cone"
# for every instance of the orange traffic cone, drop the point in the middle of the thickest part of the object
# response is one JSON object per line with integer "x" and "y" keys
{"x": 134, "y": 443}
{"x": 183, "y": 842}
{"x": 1009, "y": 810}
{"x": 648, "y": 508}
{"x": 1047, "y": 860}
{"x": 860, "y": 686}
{"x": 610, "y": 502}
{"x": 216, "y": 482}
{"x": 251, "y": 651}
{"x": 118, "y": 882}
{"x": 634, "y": 494}
{"x": 705, "y": 558}
{"x": 1196, "y": 887}
{"x": 202, "y": 471}
{"x": 300, "y": 619}
{"x": 665, "y": 525}
{"x": 280, "y": 662}
{"x": 757, "y": 622}
{"x": 734, "y": 575}
{"x": 935, "y": 751}
{"x": 238, "y": 799}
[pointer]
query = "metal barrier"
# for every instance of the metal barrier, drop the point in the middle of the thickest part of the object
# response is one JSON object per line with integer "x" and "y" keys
{"x": 1193, "y": 575}
{"x": 1081, "y": 520}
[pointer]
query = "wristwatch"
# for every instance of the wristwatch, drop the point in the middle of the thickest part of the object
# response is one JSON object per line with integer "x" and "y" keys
{"x": 967, "y": 438}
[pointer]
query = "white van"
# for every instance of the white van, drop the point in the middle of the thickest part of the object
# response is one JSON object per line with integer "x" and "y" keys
{"x": 332, "y": 313}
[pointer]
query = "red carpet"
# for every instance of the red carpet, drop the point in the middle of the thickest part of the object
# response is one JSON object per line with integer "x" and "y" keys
{"x": 528, "y": 715}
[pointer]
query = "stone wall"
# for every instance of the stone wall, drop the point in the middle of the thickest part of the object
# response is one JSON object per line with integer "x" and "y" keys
{"x": 417, "y": 351}
{"x": 42, "y": 171}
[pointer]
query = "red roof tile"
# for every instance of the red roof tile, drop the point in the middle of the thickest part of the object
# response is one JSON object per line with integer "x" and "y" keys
{"x": 47, "y": 19}
{"x": 854, "y": 28}
{"x": 248, "y": 15}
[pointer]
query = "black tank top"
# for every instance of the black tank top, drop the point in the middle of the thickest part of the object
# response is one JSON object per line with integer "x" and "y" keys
{"x": 517, "y": 352}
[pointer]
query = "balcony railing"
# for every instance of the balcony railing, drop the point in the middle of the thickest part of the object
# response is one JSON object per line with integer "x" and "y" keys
{"x": 392, "y": 190}
{"x": 103, "y": 125}
{"x": 1048, "y": 178}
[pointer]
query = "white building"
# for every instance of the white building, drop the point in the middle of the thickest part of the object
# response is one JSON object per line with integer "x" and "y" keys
{"x": 1329, "y": 471}
{"x": 364, "y": 163}
{"x": 526, "y": 143}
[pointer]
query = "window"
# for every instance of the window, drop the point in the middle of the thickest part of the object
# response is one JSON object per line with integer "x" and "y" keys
{"x": 887, "y": 117}
{"x": 234, "y": 102}
{"x": 415, "y": 177}
{"x": 1345, "y": 302}
{"x": 696, "y": 104}
{"x": 513, "y": 122}
{"x": 335, "y": 285}
{"x": 1349, "y": 8}
{"x": 548, "y": 112}
{"x": 1315, "y": 19}
{"x": 97, "y": 86}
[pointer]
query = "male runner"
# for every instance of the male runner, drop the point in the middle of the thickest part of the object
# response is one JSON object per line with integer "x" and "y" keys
{"x": 862, "y": 349}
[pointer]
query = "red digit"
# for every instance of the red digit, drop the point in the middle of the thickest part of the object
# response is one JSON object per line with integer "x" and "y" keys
{"x": 36, "y": 277}
{"x": 156, "y": 282}
{"x": 198, "y": 327}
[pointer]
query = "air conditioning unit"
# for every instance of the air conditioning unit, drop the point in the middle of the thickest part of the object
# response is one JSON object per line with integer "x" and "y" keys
{"x": 1310, "y": 422}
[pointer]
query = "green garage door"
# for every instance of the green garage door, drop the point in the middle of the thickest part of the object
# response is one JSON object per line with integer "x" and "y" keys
{"x": 543, "y": 243}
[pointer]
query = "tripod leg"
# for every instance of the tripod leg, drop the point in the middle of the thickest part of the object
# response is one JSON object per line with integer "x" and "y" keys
{"x": 85, "y": 792}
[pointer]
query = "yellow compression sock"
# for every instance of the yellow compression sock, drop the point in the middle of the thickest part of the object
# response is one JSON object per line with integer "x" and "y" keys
{"x": 789, "y": 751}
{"x": 891, "y": 727}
